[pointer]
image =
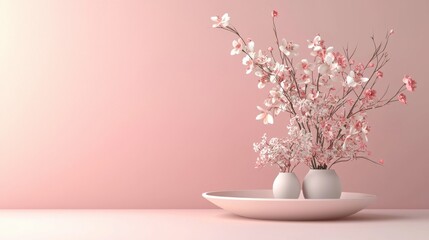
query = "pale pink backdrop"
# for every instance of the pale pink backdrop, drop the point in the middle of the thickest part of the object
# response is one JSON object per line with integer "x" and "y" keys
{"x": 137, "y": 104}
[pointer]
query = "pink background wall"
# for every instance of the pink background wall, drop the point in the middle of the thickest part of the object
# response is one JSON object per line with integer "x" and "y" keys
{"x": 137, "y": 104}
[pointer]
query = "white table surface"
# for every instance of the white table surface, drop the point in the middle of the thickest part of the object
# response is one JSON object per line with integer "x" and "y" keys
{"x": 204, "y": 224}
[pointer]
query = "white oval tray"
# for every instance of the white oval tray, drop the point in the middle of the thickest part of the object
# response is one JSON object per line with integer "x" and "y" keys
{"x": 260, "y": 204}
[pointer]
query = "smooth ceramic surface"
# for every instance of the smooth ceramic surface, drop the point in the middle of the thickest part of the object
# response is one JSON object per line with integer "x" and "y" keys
{"x": 261, "y": 204}
{"x": 321, "y": 184}
{"x": 286, "y": 185}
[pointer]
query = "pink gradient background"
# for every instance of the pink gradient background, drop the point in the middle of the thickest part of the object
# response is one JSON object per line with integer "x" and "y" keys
{"x": 137, "y": 104}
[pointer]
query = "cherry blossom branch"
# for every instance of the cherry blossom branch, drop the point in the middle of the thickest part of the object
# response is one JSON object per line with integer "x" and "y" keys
{"x": 368, "y": 159}
{"x": 325, "y": 123}
{"x": 269, "y": 72}
{"x": 293, "y": 73}
{"x": 277, "y": 41}
{"x": 283, "y": 56}
{"x": 339, "y": 160}
{"x": 392, "y": 99}
{"x": 375, "y": 55}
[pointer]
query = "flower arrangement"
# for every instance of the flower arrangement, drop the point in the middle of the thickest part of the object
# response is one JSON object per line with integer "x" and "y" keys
{"x": 327, "y": 98}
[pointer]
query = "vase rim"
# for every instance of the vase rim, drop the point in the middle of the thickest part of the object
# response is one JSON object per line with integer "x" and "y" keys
{"x": 322, "y": 169}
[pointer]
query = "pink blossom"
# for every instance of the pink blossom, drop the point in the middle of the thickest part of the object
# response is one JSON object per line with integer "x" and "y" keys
{"x": 221, "y": 21}
{"x": 391, "y": 32}
{"x": 248, "y": 62}
{"x": 248, "y": 59}
{"x": 381, "y": 161}
{"x": 329, "y": 57}
{"x": 305, "y": 79}
{"x": 263, "y": 78}
{"x": 371, "y": 65}
{"x": 410, "y": 83}
{"x": 365, "y": 130}
{"x": 327, "y": 130}
{"x": 402, "y": 98}
{"x": 331, "y": 63}
{"x": 278, "y": 73}
{"x": 358, "y": 125}
{"x": 313, "y": 94}
{"x": 306, "y": 66}
{"x": 370, "y": 94}
{"x": 341, "y": 60}
{"x": 354, "y": 79}
{"x": 237, "y": 47}
{"x": 379, "y": 74}
{"x": 323, "y": 69}
{"x": 289, "y": 48}
{"x": 274, "y": 13}
{"x": 359, "y": 68}
{"x": 276, "y": 151}
{"x": 265, "y": 116}
{"x": 261, "y": 58}
{"x": 270, "y": 49}
{"x": 316, "y": 45}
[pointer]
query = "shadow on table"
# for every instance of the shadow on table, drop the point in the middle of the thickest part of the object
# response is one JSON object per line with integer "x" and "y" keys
{"x": 360, "y": 217}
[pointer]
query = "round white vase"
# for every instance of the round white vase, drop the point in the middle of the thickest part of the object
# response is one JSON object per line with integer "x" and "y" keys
{"x": 286, "y": 185}
{"x": 321, "y": 184}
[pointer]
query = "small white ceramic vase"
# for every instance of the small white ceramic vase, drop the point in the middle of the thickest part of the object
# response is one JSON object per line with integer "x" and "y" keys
{"x": 286, "y": 185}
{"x": 321, "y": 184}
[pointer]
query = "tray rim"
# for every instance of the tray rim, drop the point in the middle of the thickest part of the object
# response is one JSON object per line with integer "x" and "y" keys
{"x": 208, "y": 195}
